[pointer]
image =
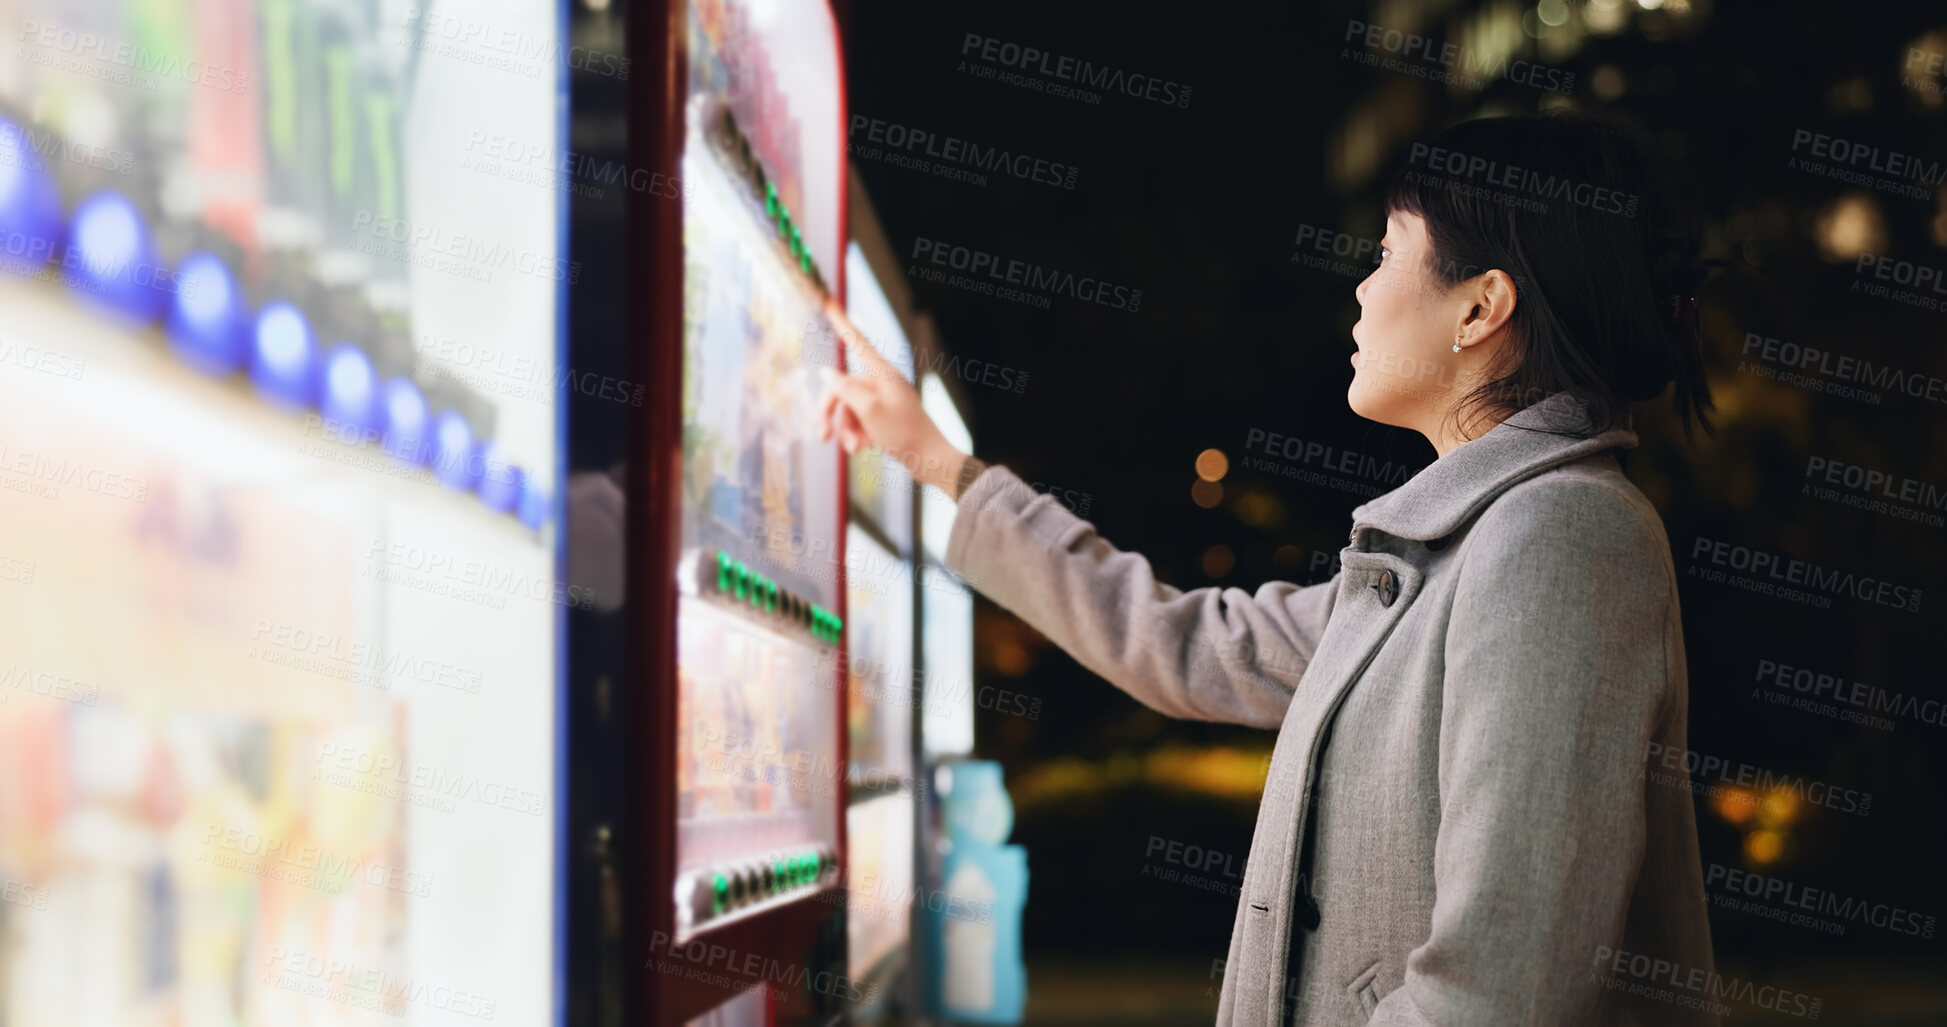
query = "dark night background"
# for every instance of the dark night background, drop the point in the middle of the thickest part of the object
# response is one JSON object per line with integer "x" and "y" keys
{"x": 1200, "y": 208}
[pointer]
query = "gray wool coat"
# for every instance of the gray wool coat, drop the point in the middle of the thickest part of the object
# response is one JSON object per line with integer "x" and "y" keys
{"x": 1457, "y": 827}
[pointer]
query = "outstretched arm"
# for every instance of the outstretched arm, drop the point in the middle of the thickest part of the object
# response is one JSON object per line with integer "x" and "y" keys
{"x": 1207, "y": 654}
{"x": 1219, "y": 654}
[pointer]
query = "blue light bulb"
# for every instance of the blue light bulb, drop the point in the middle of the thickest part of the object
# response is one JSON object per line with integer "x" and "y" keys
{"x": 205, "y": 321}
{"x": 284, "y": 356}
{"x": 30, "y": 206}
{"x": 110, "y": 261}
{"x": 507, "y": 500}
{"x": 406, "y": 419}
{"x": 350, "y": 400}
{"x": 535, "y": 504}
{"x": 453, "y": 460}
{"x": 500, "y": 481}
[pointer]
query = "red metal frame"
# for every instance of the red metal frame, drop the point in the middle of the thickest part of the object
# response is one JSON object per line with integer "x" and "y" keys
{"x": 787, "y": 934}
{"x": 843, "y": 688}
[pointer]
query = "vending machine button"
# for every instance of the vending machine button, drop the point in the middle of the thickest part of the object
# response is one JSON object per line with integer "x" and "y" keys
{"x": 726, "y": 571}
{"x": 721, "y": 899}
{"x": 702, "y": 899}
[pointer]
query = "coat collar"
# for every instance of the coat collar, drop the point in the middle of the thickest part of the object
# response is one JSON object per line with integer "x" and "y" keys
{"x": 1451, "y": 490}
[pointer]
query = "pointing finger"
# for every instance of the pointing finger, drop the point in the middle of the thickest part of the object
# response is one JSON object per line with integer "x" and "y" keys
{"x": 858, "y": 346}
{"x": 855, "y": 393}
{"x": 827, "y": 406}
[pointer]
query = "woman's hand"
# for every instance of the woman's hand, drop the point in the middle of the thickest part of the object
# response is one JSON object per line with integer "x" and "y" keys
{"x": 875, "y": 406}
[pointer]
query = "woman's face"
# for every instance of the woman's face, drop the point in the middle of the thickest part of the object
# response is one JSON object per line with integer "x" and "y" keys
{"x": 1406, "y": 372}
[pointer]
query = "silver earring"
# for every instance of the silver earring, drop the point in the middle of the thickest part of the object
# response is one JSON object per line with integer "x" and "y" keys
{"x": 1456, "y": 347}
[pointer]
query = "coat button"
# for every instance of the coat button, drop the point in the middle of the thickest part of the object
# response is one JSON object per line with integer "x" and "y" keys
{"x": 1388, "y": 587}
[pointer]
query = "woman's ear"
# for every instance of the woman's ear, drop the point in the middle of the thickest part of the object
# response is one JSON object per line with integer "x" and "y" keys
{"x": 1493, "y": 295}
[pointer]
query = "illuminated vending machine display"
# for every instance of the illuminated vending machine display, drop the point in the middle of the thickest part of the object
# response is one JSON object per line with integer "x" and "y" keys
{"x": 751, "y": 774}
{"x": 946, "y": 604}
{"x": 880, "y": 675}
{"x": 279, "y": 615}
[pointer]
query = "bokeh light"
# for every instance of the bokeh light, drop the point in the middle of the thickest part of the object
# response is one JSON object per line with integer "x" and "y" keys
{"x": 1761, "y": 847}
{"x": 283, "y": 361}
{"x": 1212, "y": 465}
{"x": 1259, "y": 509}
{"x": 406, "y": 420}
{"x": 453, "y": 455}
{"x": 351, "y": 392}
{"x": 205, "y": 321}
{"x": 1850, "y": 226}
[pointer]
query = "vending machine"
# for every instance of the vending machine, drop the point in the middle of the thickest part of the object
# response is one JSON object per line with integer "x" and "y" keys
{"x": 738, "y": 543}
{"x": 280, "y": 615}
{"x": 882, "y": 699}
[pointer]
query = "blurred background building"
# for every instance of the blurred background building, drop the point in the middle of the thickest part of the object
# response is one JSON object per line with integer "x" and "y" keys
{"x": 1246, "y": 216}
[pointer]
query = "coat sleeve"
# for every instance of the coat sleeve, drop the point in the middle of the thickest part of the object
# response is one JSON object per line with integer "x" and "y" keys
{"x": 1218, "y": 654}
{"x": 1558, "y": 667}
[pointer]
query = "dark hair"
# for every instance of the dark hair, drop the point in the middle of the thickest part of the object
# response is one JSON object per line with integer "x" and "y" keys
{"x": 1580, "y": 210}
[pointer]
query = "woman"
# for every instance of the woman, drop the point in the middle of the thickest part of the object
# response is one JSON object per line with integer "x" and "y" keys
{"x": 1457, "y": 828}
